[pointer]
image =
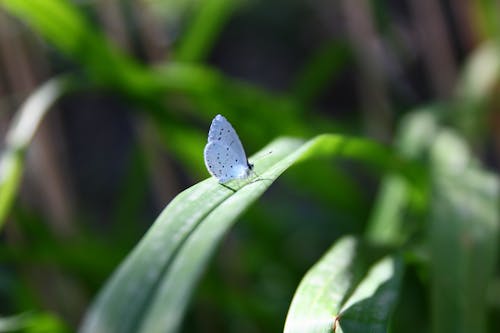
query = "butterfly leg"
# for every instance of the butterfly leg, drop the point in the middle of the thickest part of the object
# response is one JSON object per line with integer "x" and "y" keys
{"x": 228, "y": 187}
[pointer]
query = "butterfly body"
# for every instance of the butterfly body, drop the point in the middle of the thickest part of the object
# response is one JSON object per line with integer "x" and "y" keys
{"x": 224, "y": 155}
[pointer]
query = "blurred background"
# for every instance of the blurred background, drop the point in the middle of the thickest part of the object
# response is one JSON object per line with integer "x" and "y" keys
{"x": 138, "y": 84}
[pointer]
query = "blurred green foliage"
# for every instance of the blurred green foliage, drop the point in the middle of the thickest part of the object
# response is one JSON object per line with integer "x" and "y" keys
{"x": 423, "y": 210}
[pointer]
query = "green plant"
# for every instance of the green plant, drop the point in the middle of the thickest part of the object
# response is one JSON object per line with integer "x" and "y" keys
{"x": 419, "y": 253}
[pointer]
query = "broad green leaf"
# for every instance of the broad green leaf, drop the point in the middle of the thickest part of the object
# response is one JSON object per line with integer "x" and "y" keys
{"x": 259, "y": 113}
{"x": 333, "y": 298}
{"x": 320, "y": 294}
{"x": 19, "y": 136}
{"x": 369, "y": 308}
{"x": 463, "y": 236}
{"x": 150, "y": 290}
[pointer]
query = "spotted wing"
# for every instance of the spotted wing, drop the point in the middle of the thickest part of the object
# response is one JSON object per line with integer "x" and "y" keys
{"x": 224, "y": 163}
{"x": 221, "y": 131}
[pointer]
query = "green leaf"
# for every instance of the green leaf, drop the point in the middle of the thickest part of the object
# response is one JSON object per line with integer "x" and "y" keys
{"x": 332, "y": 297}
{"x": 150, "y": 290}
{"x": 368, "y": 309}
{"x": 206, "y": 26}
{"x": 415, "y": 135}
{"x": 463, "y": 236}
{"x": 320, "y": 294}
{"x": 19, "y": 136}
{"x": 29, "y": 322}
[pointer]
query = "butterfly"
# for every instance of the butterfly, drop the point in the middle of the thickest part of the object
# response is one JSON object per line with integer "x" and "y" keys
{"x": 224, "y": 155}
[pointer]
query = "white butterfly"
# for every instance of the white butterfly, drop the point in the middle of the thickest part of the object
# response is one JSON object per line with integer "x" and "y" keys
{"x": 224, "y": 155}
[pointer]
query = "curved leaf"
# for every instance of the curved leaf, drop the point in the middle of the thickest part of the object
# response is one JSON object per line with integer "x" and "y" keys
{"x": 320, "y": 294}
{"x": 333, "y": 298}
{"x": 369, "y": 307}
{"x": 19, "y": 136}
{"x": 150, "y": 290}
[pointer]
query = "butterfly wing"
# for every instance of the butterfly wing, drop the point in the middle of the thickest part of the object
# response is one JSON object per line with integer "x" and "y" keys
{"x": 224, "y": 163}
{"x": 221, "y": 131}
